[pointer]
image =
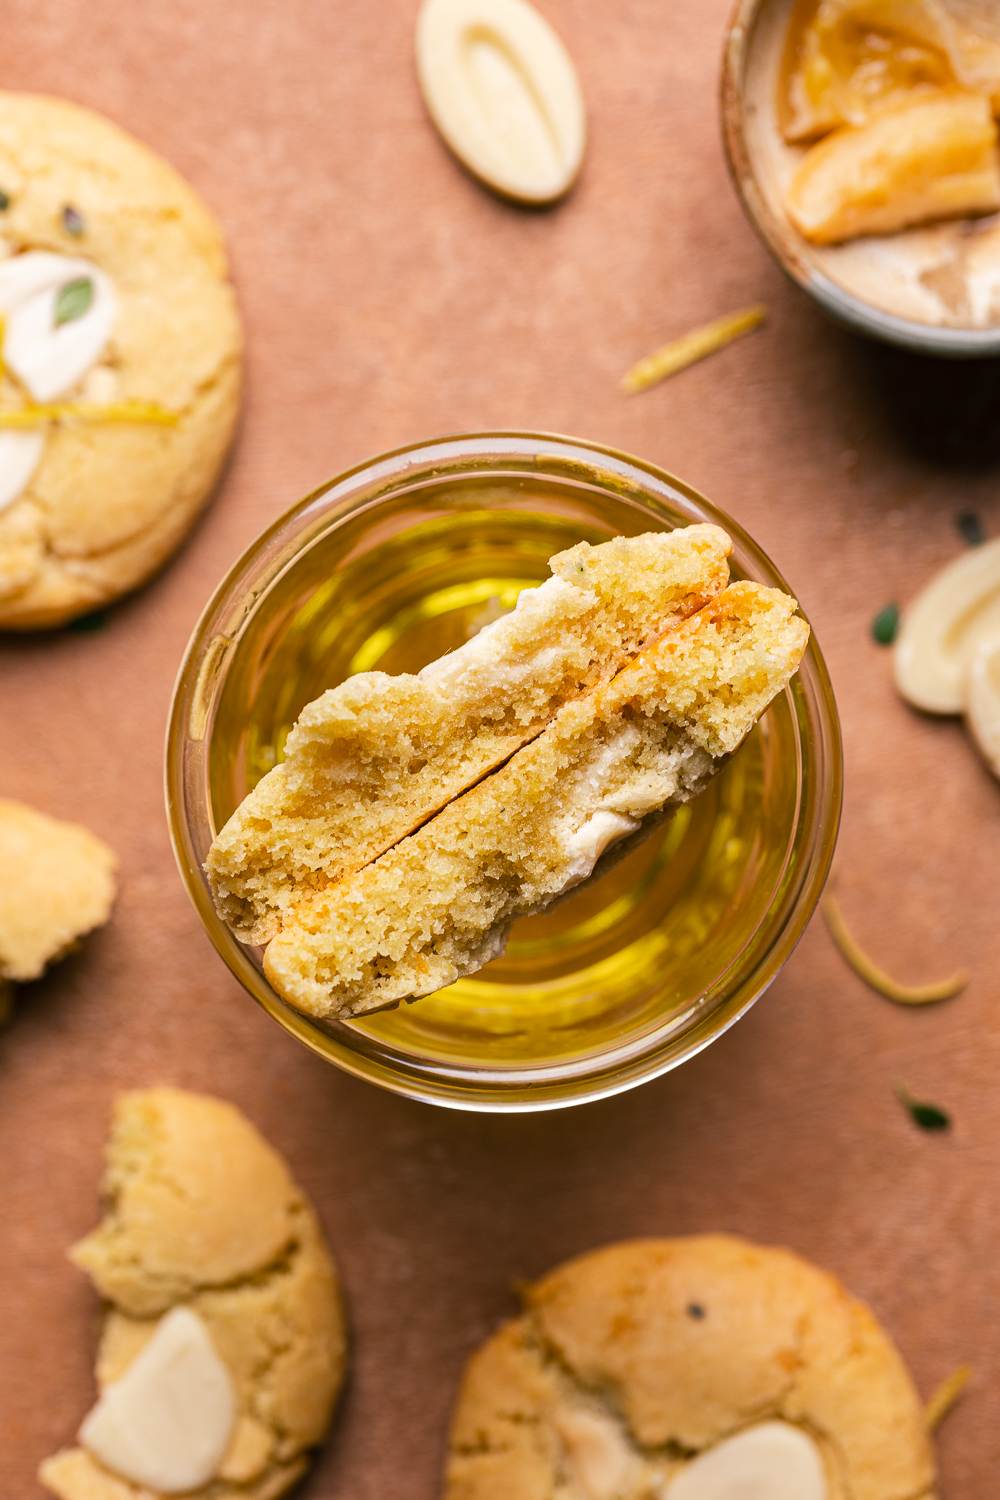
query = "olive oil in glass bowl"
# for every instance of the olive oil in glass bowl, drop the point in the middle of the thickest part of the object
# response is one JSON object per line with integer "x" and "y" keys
{"x": 385, "y": 569}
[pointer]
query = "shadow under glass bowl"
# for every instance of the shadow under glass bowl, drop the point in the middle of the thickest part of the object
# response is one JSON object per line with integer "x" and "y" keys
{"x": 385, "y": 568}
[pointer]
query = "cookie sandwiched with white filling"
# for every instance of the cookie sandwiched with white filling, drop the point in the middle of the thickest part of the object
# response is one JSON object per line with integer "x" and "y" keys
{"x": 701, "y": 1368}
{"x": 373, "y": 758}
{"x": 439, "y": 904}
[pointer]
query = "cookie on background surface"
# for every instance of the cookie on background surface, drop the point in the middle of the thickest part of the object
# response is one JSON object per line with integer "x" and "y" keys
{"x": 118, "y": 313}
{"x": 223, "y": 1347}
{"x": 689, "y": 1369}
{"x": 57, "y": 883}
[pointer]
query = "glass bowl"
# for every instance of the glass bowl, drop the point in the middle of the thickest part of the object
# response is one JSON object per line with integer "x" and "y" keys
{"x": 401, "y": 559}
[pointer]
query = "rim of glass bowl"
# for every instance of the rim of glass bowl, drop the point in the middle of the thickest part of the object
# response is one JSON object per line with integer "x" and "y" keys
{"x": 202, "y": 675}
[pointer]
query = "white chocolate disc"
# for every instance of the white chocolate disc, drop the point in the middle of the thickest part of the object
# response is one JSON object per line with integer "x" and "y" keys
{"x": 503, "y": 91}
{"x": 944, "y": 626}
{"x": 166, "y": 1424}
{"x": 774, "y": 1461}
{"x": 982, "y": 701}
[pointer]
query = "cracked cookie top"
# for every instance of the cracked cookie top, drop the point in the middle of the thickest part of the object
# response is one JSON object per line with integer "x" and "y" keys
{"x": 122, "y": 349}
{"x": 630, "y": 1364}
{"x": 201, "y": 1212}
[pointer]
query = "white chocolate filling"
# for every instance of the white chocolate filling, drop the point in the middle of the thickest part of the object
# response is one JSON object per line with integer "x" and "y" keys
{"x": 585, "y": 847}
{"x": 166, "y": 1424}
{"x": 484, "y": 663}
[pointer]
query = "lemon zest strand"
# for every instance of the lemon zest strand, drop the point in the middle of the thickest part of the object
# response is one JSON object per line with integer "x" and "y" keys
{"x": 875, "y": 977}
{"x": 87, "y": 411}
{"x": 944, "y": 1398}
{"x": 691, "y": 347}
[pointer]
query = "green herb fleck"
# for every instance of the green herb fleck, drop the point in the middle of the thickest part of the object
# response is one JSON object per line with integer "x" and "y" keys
{"x": 926, "y": 1116}
{"x": 970, "y": 528}
{"x": 886, "y": 624}
{"x": 84, "y": 624}
{"x": 4, "y": 200}
{"x": 73, "y": 221}
{"x": 73, "y": 300}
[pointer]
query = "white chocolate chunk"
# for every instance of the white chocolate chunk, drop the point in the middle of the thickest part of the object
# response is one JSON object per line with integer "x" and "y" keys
{"x": 50, "y": 358}
{"x": 982, "y": 701}
{"x": 774, "y": 1461}
{"x": 166, "y": 1424}
{"x": 944, "y": 626}
{"x": 20, "y": 454}
{"x": 598, "y": 1457}
{"x": 501, "y": 88}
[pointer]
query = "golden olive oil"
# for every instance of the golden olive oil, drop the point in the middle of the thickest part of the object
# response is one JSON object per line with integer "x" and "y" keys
{"x": 646, "y": 942}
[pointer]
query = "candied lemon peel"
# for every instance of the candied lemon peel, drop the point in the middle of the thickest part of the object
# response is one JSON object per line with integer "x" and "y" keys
{"x": 691, "y": 347}
{"x": 876, "y": 977}
{"x": 948, "y": 1393}
{"x": 40, "y": 414}
{"x": 895, "y": 101}
{"x": 845, "y": 60}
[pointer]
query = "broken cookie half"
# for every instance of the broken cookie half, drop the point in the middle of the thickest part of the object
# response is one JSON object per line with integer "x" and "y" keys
{"x": 417, "y": 817}
{"x": 223, "y": 1346}
{"x": 374, "y": 757}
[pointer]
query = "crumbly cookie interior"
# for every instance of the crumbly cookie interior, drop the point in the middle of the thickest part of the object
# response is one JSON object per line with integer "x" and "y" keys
{"x": 373, "y": 758}
{"x": 439, "y": 904}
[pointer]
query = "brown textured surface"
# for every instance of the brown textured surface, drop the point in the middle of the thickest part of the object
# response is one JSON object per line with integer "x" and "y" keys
{"x": 388, "y": 298}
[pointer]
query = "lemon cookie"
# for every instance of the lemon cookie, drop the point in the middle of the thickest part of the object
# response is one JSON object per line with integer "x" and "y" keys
{"x": 689, "y": 1369}
{"x": 371, "y": 759}
{"x": 57, "y": 883}
{"x": 223, "y": 1347}
{"x": 439, "y": 904}
{"x": 121, "y": 360}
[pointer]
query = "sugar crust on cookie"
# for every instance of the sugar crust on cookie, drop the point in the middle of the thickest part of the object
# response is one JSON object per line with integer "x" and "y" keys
{"x": 628, "y": 1362}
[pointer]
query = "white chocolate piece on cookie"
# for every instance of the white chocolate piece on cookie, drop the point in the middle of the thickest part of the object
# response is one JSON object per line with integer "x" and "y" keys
{"x": 48, "y": 356}
{"x": 771, "y": 1461}
{"x": 167, "y": 1422}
